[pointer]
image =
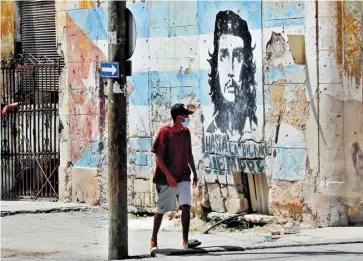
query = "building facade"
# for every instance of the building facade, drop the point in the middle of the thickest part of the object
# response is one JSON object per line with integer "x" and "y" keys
{"x": 276, "y": 87}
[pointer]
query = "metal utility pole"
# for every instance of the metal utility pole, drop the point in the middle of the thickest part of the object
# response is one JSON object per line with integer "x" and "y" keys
{"x": 117, "y": 131}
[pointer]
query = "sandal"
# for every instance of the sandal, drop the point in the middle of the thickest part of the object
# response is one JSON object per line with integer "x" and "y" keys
{"x": 153, "y": 251}
{"x": 193, "y": 243}
{"x": 153, "y": 247}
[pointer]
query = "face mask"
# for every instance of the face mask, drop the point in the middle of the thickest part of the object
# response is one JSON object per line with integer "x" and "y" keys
{"x": 186, "y": 122}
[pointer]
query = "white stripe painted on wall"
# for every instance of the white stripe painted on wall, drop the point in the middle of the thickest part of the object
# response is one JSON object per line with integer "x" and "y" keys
{"x": 172, "y": 53}
{"x": 139, "y": 121}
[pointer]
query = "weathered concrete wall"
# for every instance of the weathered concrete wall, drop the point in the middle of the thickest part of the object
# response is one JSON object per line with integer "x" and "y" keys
{"x": 353, "y": 108}
{"x": 291, "y": 120}
{"x": 339, "y": 190}
{"x": 172, "y": 62}
{"x": 82, "y": 40}
{"x": 165, "y": 71}
{"x": 286, "y": 106}
{"x": 331, "y": 185}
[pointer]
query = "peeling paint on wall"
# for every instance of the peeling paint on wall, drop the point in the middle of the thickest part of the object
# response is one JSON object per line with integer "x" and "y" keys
{"x": 289, "y": 102}
{"x": 7, "y": 28}
{"x": 275, "y": 49}
{"x": 339, "y": 33}
{"x": 82, "y": 38}
{"x": 352, "y": 40}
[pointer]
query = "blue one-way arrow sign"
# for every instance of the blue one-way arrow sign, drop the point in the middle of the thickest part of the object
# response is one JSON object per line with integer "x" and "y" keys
{"x": 110, "y": 70}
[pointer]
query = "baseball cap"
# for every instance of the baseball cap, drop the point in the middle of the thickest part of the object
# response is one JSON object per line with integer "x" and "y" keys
{"x": 178, "y": 109}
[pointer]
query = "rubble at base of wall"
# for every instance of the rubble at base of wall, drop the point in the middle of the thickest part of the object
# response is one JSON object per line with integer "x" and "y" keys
{"x": 252, "y": 218}
{"x": 138, "y": 210}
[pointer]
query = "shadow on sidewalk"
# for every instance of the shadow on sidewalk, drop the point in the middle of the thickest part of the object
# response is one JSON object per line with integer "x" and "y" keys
{"x": 199, "y": 250}
{"x": 220, "y": 252}
{"x": 234, "y": 250}
{"x": 191, "y": 251}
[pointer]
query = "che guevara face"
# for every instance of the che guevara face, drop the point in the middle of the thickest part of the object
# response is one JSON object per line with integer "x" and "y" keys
{"x": 230, "y": 61}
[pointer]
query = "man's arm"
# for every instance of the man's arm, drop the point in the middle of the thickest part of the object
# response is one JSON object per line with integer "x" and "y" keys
{"x": 160, "y": 162}
{"x": 191, "y": 162}
{"x": 12, "y": 105}
{"x": 159, "y": 150}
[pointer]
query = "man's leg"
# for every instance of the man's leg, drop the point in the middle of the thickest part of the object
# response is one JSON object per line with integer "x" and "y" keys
{"x": 185, "y": 220}
{"x": 158, "y": 218}
{"x": 166, "y": 199}
{"x": 185, "y": 201}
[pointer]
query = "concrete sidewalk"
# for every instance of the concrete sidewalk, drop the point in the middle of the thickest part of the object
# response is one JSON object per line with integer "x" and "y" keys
{"x": 82, "y": 235}
{"x": 25, "y": 207}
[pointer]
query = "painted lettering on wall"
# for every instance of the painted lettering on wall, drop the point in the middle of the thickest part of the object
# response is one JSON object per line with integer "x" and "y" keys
{"x": 226, "y": 163}
{"x": 219, "y": 144}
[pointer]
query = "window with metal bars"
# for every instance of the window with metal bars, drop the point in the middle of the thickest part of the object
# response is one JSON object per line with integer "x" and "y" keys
{"x": 39, "y": 45}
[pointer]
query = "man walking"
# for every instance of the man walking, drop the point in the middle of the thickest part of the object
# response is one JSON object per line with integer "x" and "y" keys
{"x": 174, "y": 159}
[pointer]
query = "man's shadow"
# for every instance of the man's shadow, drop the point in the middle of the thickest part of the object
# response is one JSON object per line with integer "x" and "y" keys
{"x": 197, "y": 250}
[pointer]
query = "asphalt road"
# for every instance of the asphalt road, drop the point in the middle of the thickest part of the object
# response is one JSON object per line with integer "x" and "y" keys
{"x": 83, "y": 236}
{"x": 351, "y": 252}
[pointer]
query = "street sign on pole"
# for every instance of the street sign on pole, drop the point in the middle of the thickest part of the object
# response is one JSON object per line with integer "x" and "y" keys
{"x": 110, "y": 70}
{"x": 117, "y": 132}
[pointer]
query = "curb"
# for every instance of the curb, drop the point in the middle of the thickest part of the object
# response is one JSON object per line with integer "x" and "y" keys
{"x": 310, "y": 243}
{"x": 46, "y": 210}
{"x": 259, "y": 247}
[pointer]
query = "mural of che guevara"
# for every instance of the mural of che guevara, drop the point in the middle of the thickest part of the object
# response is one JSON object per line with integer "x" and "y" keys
{"x": 232, "y": 77}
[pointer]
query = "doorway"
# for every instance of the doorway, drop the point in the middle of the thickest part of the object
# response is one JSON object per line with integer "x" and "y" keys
{"x": 256, "y": 191}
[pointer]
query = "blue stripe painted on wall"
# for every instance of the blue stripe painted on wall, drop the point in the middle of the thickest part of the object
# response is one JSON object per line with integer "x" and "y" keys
{"x": 140, "y": 144}
{"x": 141, "y": 93}
{"x": 284, "y": 23}
{"x": 184, "y": 30}
{"x": 90, "y": 158}
{"x": 159, "y": 15}
{"x": 141, "y": 159}
{"x": 167, "y": 18}
{"x": 178, "y": 94}
{"x": 249, "y": 11}
{"x": 164, "y": 18}
{"x": 144, "y": 144}
{"x": 160, "y": 96}
{"x": 294, "y": 73}
{"x": 141, "y": 15}
{"x": 160, "y": 83}
{"x": 183, "y": 14}
{"x": 289, "y": 164}
{"x": 160, "y": 86}
{"x": 93, "y": 21}
{"x": 274, "y": 10}
{"x": 173, "y": 78}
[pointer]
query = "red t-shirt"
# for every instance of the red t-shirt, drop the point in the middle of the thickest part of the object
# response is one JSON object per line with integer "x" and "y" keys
{"x": 176, "y": 149}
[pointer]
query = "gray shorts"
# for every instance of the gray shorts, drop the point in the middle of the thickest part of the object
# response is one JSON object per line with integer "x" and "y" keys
{"x": 167, "y": 197}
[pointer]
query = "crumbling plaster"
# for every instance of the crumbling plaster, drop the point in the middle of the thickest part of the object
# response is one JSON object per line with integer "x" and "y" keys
{"x": 81, "y": 105}
{"x": 340, "y": 114}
